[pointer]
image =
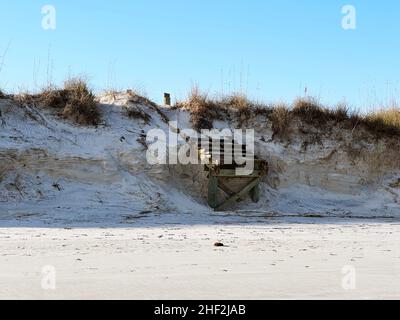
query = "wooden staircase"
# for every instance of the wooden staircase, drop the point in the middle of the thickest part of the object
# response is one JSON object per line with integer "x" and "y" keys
{"x": 225, "y": 185}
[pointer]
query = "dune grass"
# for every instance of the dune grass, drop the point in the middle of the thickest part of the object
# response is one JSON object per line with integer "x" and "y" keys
{"x": 384, "y": 122}
{"x": 205, "y": 110}
{"x": 74, "y": 102}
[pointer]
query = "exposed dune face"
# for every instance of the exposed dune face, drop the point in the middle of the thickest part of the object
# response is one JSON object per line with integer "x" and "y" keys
{"x": 56, "y": 170}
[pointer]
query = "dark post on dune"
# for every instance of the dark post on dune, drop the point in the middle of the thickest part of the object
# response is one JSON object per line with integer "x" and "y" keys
{"x": 167, "y": 99}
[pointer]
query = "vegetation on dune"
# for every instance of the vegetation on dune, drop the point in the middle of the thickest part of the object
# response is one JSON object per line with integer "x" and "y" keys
{"x": 308, "y": 111}
{"x": 205, "y": 110}
{"x": 80, "y": 105}
{"x": 74, "y": 102}
{"x": 384, "y": 122}
{"x": 281, "y": 118}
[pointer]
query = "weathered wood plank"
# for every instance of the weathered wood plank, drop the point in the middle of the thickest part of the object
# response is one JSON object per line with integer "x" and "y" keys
{"x": 225, "y": 188}
{"x": 233, "y": 173}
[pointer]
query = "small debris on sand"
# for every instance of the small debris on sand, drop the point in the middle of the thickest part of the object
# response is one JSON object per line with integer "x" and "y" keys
{"x": 56, "y": 186}
{"x": 218, "y": 244}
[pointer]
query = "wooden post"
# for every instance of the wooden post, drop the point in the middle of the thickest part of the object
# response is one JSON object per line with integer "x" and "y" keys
{"x": 212, "y": 191}
{"x": 255, "y": 193}
{"x": 167, "y": 99}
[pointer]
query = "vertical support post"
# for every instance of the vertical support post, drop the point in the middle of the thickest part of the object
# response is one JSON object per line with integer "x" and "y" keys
{"x": 167, "y": 99}
{"x": 212, "y": 190}
{"x": 255, "y": 193}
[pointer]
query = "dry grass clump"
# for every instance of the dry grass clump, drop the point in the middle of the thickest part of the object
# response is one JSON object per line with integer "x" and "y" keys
{"x": 205, "y": 110}
{"x": 244, "y": 107}
{"x": 80, "y": 105}
{"x": 263, "y": 110}
{"x": 310, "y": 111}
{"x": 281, "y": 118}
{"x": 52, "y": 98}
{"x": 342, "y": 113}
{"x": 239, "y": 104}
{"x": 236, "y": 101}
{"x": 202, "y": 109}
{"x": 75, "y": 102}
{"x": 384, "y": 122}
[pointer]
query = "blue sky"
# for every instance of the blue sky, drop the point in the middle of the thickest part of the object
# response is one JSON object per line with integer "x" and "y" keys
{"x": 268, "y": 49}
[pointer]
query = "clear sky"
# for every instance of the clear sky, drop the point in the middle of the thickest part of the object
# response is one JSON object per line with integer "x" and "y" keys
{"x": 268, "y": 49}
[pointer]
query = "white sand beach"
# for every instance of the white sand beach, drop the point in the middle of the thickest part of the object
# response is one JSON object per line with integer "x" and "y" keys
{"x": 275, "y": 260}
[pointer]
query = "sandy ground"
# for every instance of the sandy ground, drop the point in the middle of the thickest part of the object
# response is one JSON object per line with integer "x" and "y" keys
{"x": 318, "y": 260}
